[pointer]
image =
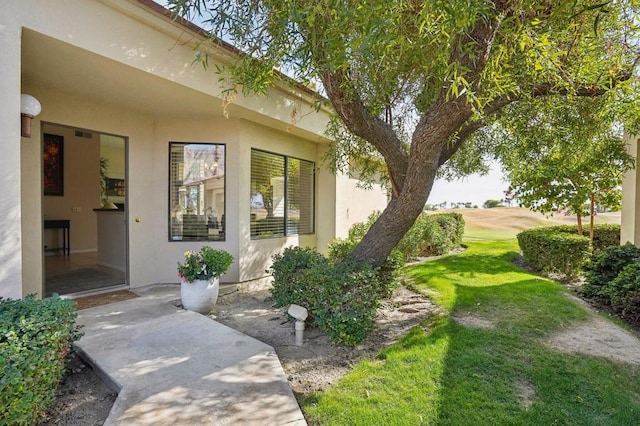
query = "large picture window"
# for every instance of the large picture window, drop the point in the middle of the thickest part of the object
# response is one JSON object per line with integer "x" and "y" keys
{"x": 282, "y": 195}
{"x": 196, "y": 192}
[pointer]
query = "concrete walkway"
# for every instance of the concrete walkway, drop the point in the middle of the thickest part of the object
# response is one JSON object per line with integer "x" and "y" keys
{"x": 176, "y": 367}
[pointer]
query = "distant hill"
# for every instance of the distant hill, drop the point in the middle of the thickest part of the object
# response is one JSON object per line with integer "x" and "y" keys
{"x": 515, "y": 219}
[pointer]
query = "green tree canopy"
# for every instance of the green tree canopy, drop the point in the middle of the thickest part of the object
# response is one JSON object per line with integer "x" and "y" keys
{"x": 411, "y": 80}
{"x": 561, "y": 156}
{"x": 557, "y": 154}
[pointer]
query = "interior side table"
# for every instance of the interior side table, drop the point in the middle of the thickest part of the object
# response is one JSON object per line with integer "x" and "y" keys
{"x": 65, "y": 225}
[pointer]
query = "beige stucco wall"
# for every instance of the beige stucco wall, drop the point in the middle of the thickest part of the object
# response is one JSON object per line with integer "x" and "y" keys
{"x": 630, "y": 230}
{"x": 215, "y": 130}
{"x": 139, "y": 82}
{"x": 256, "y": 254}
{"x": 355, "y": 204}
{"x": 31, "y": 211}
{"x": 11, "y": 243}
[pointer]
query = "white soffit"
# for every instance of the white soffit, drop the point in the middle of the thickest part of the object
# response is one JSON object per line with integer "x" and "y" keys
{"x": 54, "y": 64}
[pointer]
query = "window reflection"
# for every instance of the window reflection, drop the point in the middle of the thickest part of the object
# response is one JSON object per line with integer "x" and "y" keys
{"x": 197, "y": 192}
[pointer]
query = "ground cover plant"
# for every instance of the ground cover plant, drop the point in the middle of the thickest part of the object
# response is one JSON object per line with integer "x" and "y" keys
{"x": 484, "y": 360}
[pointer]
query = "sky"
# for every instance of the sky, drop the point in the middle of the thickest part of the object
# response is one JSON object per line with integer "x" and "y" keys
{"x": 475, "y": 188}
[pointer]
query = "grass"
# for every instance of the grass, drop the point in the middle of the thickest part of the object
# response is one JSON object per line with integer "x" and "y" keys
{"x": 447, "y": 374}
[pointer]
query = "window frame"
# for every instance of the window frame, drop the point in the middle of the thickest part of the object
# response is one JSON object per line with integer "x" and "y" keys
{"x": 224, "y": 212}
{"x": 286, "y": 194}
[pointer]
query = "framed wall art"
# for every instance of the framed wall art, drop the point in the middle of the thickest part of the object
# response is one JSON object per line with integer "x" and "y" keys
{"x": 53, "y": 165}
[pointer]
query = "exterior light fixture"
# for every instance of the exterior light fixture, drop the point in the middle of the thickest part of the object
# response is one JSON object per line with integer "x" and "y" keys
{"x": 29, "y": 108}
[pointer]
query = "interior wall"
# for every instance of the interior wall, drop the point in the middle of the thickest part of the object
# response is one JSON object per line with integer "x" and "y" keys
{"x": 112, "y": 148}
{"x": 81, "y": 191}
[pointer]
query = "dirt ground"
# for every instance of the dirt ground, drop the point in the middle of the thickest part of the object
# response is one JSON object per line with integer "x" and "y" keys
{"x": 82, "y": 397}
{"x": 84, "y": 400}
{"x": 317, "y": 364}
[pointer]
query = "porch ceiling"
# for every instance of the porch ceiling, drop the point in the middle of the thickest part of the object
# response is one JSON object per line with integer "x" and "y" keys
{"x": 60, "y": 66}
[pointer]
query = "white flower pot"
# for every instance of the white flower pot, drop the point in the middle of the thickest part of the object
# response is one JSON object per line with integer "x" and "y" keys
{"x": 200, "y": 295}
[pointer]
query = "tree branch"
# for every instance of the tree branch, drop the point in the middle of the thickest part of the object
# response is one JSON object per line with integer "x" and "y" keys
{"x": 361, "y": 123}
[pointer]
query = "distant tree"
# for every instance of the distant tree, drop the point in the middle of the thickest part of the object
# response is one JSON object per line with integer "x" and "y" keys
{"x": 559, "y": 157}
{"x": 430, "y": 207}
{"x": 489, "y": 204}
{"x": 411, "y": 81}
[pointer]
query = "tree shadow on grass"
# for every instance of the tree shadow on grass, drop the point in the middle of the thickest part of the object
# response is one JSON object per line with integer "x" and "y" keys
{"x": 449, "y": 374}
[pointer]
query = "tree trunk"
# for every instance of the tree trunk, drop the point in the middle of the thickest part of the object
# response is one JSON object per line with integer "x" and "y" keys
{"x": 394, "y": 222}
{"x": 592, "y": 216}
{"x": 579, "y": 216}
{"x": 428, "y": 145}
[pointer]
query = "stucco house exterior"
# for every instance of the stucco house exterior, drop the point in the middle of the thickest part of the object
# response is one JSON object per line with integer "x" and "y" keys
{"x": 116, "y": 81}
{"x": 630, "y": 230}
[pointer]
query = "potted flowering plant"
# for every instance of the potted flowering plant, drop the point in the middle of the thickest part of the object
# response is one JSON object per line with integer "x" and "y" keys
{"x": 200, "y": 277}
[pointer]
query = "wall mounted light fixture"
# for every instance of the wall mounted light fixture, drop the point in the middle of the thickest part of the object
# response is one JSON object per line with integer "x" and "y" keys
{"x": 29, "y": 108}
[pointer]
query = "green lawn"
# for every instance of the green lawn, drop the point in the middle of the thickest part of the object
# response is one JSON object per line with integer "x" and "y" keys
{"x": 444, "y": 373}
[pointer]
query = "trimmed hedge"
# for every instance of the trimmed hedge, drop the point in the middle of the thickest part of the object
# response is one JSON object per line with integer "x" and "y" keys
{"x": 548, "y": 250}
{"x": 35, "y": 336}
{"x": 344, "y": 298}
{"x": 287, "y": 270}
{"x": 604, "y": 235}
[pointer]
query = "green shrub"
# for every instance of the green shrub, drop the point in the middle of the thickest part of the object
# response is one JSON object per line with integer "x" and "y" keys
{"x": 35, "y": 336}
{"x": 287, "y": 271}
{"x": 409, "y": 246}
{"x": 605, "y": 266}
{"x": 441, "y": 233}
{"x": 453, "y": 226}
{"x": 339, "y": 251}
{"x": 430, "y": 235}
{"x": 358, "y": 230}
{"x": 346, "y": 296}
{"x": 624, "y": 292}
{"x": 434, "y": 240}
{"x": 341, "y": 296}
{"x": 412, "y": 243}
{"x": 548, "y": 250}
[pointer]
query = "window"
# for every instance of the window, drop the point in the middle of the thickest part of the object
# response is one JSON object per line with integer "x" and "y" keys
{"x": 282, "y": 195}
{"x": 196, "y": 192}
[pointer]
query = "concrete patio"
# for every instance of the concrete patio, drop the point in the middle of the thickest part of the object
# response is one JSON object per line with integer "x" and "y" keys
{"x": 172, "y": 366}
